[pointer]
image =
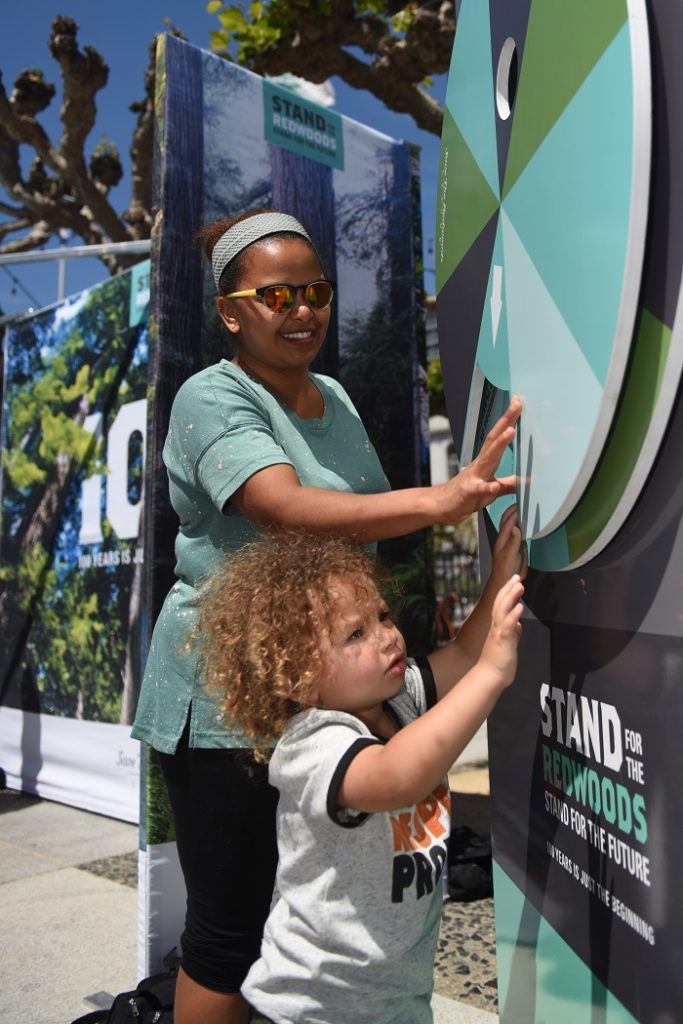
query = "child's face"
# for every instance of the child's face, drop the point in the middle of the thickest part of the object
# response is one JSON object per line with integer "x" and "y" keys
{"x": 365, "y": 655}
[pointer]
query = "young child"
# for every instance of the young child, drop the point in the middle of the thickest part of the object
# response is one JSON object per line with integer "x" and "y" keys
{"x": 299, "y": 638}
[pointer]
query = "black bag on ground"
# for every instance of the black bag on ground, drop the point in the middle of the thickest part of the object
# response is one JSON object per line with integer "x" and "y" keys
{"x": 150, "y": 1003}
{"x": 470, "y": 867}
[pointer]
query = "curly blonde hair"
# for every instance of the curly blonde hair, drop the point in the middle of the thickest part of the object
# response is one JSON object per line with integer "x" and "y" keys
{"x": 262, "y": 623}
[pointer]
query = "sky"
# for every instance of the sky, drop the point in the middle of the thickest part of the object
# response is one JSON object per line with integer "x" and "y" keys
{"x": 122, "y": 32}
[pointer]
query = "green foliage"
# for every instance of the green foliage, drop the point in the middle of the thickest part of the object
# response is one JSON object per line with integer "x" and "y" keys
{"x": 437, "y": 396}
{"x": 247, "y": 31}
{"x": 78, "y": 616}
{"x": 435, "y": 377}
{"x": 62, "y": 434}
{"x": 413, "y": 599}
{"x": 77, "y": 644}
{"x": 263, "y": 27}
{"x": 21, "y": 470}
{"x": 61, "y": 390}
{"x": 33, "y": 574}
{"x": 79, "y": 386}
{"x": 105, "y": 147}
{"x": 402, "y": 21}
{"x": 160, "y": 827}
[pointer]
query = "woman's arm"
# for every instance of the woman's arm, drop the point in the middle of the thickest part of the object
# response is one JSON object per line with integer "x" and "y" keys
{"x": 406, "y": 768}
{"x": 275, "y": 497}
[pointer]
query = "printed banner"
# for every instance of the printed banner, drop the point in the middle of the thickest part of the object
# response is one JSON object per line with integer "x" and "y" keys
{"x": 74, "y": 425}
{"x": 585, "y": 762}
{"x": 228, "y": 142}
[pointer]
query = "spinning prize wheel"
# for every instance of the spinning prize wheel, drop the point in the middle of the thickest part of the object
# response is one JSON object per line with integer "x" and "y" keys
{"x": 543, "y": 230}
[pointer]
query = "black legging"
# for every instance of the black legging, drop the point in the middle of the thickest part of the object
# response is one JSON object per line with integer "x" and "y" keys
{"x": 224, "y": 814}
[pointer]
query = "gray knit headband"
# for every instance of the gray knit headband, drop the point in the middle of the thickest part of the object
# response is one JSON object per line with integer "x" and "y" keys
{"x": 242, "y": 234}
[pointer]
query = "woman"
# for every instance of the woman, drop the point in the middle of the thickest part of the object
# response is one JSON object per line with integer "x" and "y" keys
{"x": 256, "y": 442}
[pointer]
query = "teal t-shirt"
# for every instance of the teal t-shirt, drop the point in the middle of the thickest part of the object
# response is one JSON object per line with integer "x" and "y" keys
{"x": 225, "y": 427}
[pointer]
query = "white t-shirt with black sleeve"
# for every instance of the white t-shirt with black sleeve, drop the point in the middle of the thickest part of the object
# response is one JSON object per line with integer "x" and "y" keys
{"x": 352, "y": 932}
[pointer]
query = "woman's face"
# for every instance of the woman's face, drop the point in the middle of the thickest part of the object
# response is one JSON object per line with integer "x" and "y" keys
{"x": 265, "y": 340}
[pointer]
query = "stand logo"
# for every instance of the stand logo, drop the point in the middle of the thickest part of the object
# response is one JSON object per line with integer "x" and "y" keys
{"x": 302, "y": 127}
{"x": 139, "y": 292}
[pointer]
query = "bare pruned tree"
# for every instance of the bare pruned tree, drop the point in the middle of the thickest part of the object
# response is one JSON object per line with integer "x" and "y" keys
{"x": 389, "y": 49}
{"x": 63, "y": 189}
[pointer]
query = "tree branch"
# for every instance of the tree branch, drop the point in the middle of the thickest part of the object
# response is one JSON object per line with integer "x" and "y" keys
{"x": 317, "y": 46}
{"x": 62, "y": 189}
{"x": 83, "y": 75}
{"x": 11, "y": 211}
{"x": 10, "y": 169}
{"x": 23, "y": 128}
{"x": 139, "y": 212}
{"x": 39, "y": 234}
{"x": 10, "y": 226}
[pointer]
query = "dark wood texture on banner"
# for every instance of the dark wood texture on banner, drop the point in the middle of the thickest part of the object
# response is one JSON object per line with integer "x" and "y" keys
{"x": 303, "y": 187}
{"x": 176, "y": 299}
{"x": 391, "y": 407}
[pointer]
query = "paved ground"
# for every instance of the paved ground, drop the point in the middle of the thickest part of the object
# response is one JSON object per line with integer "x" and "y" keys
{"x": 465, "y": 968}
{"x": 68, "y": 913}
{"x": 65, "y": 933}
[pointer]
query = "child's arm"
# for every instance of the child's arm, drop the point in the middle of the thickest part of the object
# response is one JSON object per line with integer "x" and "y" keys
{"x": 406, "y": 768}
{"x": 450, "y": 662}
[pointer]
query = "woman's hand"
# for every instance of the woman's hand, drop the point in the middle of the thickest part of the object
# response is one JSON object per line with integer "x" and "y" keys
{"x": 509, "y": 550}
{"x": 475, "y": 486}
{"x": 499, "y": 653}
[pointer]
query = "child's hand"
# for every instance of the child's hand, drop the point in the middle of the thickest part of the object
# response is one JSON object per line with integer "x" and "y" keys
{"x": 499, "y": 652}
{"x": 509, "y": 551}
